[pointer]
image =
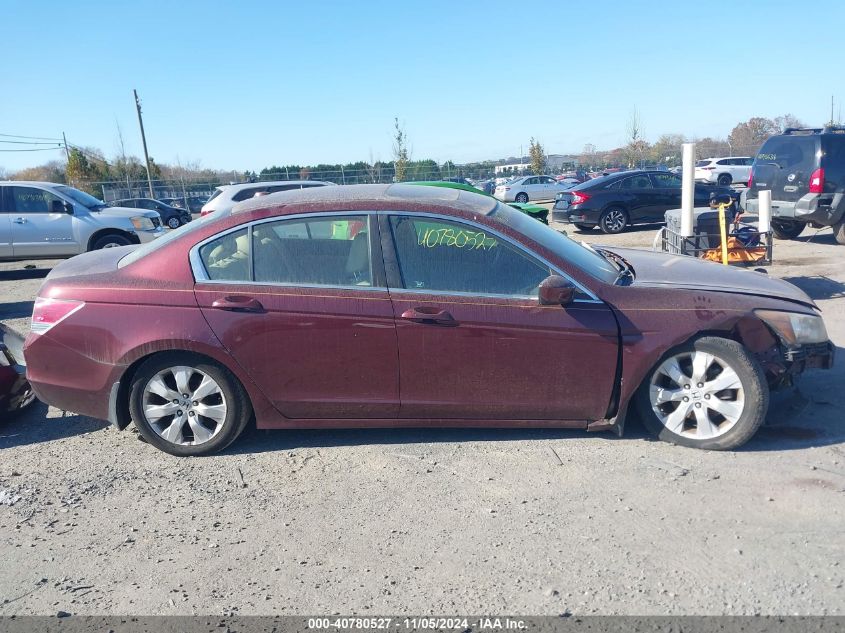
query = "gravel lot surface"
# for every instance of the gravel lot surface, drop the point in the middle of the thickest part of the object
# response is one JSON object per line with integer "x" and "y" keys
{"x": 93, "y": 521}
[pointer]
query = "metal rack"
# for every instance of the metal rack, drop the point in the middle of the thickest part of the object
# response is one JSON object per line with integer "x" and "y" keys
{"x": 708, "y": 246}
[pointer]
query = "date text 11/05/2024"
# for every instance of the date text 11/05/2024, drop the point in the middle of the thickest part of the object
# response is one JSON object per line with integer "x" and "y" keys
{"x": 420, "y": 623}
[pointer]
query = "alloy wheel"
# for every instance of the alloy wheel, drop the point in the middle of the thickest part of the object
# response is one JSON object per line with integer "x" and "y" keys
{"x": 174, "y": 223}
{"x": 697, "y": 395}
{"x": 614, "y": 221}
{"x": 184, "y": 405}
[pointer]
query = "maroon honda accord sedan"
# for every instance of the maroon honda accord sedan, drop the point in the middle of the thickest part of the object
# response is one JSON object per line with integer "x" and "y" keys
{"x": 395, "y": 305}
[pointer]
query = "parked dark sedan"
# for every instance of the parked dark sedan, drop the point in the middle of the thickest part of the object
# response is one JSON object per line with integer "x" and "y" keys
{"x": 15, "y": 391}
{"x": 633, "y": 197}
{"x": 171, "y": 217}
{"x": 404, "y": 306}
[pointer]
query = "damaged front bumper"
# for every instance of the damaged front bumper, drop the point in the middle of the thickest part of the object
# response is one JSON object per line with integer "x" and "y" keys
{"x": 795, "y": 359}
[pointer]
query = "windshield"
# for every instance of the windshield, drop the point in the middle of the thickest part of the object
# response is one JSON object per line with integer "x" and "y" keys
{"x": 164, "y": 240}
{"x": 86, "y": 200}
{"x": 586, "y": 259}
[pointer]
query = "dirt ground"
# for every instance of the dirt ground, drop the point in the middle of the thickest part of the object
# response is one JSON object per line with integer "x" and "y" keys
{"x": 93, "y": 521}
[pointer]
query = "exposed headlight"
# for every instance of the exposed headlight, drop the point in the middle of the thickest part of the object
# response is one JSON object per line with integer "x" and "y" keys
{"x": 142, "y": 223}
{"x": 794, "y": 328}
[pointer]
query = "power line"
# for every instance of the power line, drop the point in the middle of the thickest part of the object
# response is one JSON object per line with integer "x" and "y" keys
{"x": 34, "y": 149}
{"x": 37, "y": 138}
{"x": 29, "y": 142}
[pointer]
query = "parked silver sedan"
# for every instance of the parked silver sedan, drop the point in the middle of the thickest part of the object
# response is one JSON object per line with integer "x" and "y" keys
{"x": 530, "y": 188}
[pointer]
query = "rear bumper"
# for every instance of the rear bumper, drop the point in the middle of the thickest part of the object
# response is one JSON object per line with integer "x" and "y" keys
{"x": 67, "y": 379}
{"x": 823, "y": 209}
{"x": 573, "y": 215}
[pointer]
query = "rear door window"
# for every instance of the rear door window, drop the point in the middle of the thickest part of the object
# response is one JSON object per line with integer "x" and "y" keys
{"x": 636, "y": 182}
{"x": 789, "y": 152}
{"x": 326, "y": 251}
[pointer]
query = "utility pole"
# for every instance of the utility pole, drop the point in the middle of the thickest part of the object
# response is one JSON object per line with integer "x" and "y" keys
{"x": 144, "y": 141}
{"x": 67, "y": 152}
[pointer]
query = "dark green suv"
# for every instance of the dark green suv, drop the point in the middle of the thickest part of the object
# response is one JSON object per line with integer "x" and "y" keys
{"x": 805, "y": 171}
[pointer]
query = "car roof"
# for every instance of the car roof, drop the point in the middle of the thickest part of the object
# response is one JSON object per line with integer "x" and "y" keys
{"x": 382, "y": 195}
{"x": 266, "y": 183}
{"x": 42, "y": 183}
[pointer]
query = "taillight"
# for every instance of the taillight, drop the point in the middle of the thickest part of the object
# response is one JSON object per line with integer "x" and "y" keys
{"x": 203, "y": 212}
{"x": 579, "y": 198}
{"x": 750, "y": 178}
{"x": 817, "y": 181}
{"x": 50, "y": 312}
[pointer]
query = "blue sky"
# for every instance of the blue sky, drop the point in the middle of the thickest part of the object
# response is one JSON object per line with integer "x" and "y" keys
{"x": 242, "y": 85}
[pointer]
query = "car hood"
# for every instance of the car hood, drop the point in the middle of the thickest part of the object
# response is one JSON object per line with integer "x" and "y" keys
{"x": 680, "y": 271}
{"x": 126, "y": 212}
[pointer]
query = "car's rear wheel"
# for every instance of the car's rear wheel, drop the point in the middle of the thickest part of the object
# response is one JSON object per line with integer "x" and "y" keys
{"x": 724, "y": 180}
{"x": 186, "y": 405}
{"x": 584, "y": 227}
{"x": 174, "y": 222}
{"x": 521, "y": 197}
{"x": 787, "y": 229}
{"x": 710, "y": 393}
{"x": 613, "y": 220}
{"x": 839, "y": 231}
{"x": 112, "y": 240}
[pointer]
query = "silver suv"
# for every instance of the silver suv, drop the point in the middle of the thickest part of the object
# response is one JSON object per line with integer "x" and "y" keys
{"x": 47, "y": 220}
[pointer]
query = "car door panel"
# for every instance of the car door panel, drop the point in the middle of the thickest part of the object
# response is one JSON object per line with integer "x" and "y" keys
{"x": 36, "y": 230}
{"x": 491, "y": 356}
{"x": 315, "y": 353}
{"x": 504, "y": 359}
{"x": 315, "y": 349}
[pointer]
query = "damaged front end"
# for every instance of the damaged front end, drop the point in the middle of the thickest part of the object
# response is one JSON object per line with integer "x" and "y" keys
{"x": 786, "y": 344}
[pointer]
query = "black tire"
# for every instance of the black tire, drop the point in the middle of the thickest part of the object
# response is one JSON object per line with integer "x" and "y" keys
{"x": 724, "y": 180}
{"x": 755, "y": 392}
{"x": 174, "y": 222}
{"x": 613, "y": 220}
{"x": 110, "y": 240}
{"x": 787, "y": 229}
{"x": 839, "y": 231}
{"x": 521, "y": 197}
{"x": 238, "y": 410}
{"x": 585, "y": 227}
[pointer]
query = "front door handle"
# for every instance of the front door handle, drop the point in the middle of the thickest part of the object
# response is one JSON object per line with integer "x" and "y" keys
{"x": 238, "y": 303}
{"x": 19, "y": 220}
{"x": 431, "y": 316}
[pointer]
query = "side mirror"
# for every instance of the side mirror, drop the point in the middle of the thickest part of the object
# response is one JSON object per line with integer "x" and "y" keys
{"x": 67, "y": 207}
{"x": 555, "y": 290}
{"x": 57, "y": 206}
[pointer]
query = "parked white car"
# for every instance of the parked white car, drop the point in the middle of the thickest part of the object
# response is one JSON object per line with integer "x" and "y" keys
{"x": 526, "y": 188}
{"x": 724, "y": 171}
{"x": 227, "y": 196}
{"x": 49, "y": 220}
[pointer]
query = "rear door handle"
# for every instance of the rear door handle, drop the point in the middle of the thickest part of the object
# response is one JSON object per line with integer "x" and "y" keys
{"x": 238, "y": 303}
{"x": 431, "y": 316}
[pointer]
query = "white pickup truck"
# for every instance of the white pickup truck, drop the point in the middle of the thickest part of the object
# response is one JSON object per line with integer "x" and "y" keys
{"x": 50, "y": 220}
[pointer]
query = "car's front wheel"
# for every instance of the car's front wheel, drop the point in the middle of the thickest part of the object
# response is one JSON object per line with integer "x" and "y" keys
{"x": 111, "y": 240}
{"x": 186, "y": 405}
{"x": 709, "y": 393}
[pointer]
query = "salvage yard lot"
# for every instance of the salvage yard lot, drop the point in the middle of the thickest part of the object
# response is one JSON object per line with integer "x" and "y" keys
{"x": 93, "y": 521}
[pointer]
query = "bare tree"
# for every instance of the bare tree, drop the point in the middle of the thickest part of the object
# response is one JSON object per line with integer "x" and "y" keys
{"x": 636, "y": 147}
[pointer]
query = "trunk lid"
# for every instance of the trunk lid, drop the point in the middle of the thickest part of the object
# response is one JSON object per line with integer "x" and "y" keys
{"x": 91, "y": 263}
